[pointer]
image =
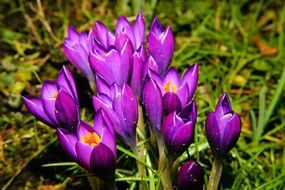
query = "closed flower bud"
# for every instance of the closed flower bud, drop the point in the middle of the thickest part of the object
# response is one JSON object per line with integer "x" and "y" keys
{"x": 190, "y": 176}
{"x": 223, "y": 127}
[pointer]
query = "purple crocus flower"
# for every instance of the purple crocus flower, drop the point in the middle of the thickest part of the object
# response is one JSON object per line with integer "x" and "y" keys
{"x": 190, "y": 176}
{"x": 105, "y": 39}
{"x": 161, "y": 45}
{"x": 135, "y": 33}
{"x": 58, "y": 104}
{"x": 176, "y": 92}
{"x": 178, "y": 130}
{"x": 114, "y": 65}
{"x": 94, "y": 148}
{"x": 77, "y": 47}
{"x": 137, "y": 78}
{"x": 152, "y": 101}
{"x": 223, "y": 127}
{"x": 122, "y": 107}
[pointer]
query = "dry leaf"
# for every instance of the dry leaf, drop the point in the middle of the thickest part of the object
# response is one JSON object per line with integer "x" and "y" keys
{"x": 264, "y": 48}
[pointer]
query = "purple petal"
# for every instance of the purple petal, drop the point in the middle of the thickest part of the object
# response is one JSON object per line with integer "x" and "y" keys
{"x": 78, "y": 57}
{"x": 67, "y": 141}
{"x": 66, "y": 80}
{"x": 49, "y": 94}
{"x": 124, "y": 26}
{"x": 102, "y": 101}
{"x": 72, "y": 33}
{"x": 182, "y": 138}
{"x": 136, "y": 80}
{"x": 106, "y": 132}
{"x": 84, "y": 152}
{"x": 103, "y": 162}
{"x": 171, "y": 103}
{"x": 190, "y": 176}
{"x": 156, "y": 77}
{"x": 231, "y": 133}
{"x": 83, "y": 129}
{"x": 183, "y": 95}
{"x": 223, "y": 106}
{"x": 67, "y": 112}
{"x": 156, "y": 28}
{"x": 102, "y": 85}
{"x": 108, "y": 66}
{"x": 213, "y": 132}
{"x": 189, "y": 112}
{"x": 103, "y": 35}
{"x": 120, "y": 41}
{"x": 172, "y": 76}
{"x": 191, "y": 78}
{"x": 161, "y": 46}
{"x": 169, "y": 126}
{"x": 126, "y": 61}
{"x": 129, "y": 106}
{"x": 35, "y": 106}
{"x": 152, "y": 101}
{"x": 139, "y": 30}
{"x": 126, "y": 107}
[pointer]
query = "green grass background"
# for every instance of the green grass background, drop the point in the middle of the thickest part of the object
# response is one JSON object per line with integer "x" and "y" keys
{"x": 238, "y": 44}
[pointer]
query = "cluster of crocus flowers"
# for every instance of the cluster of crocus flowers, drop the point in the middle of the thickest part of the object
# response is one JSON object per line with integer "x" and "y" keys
{"x": 94, "y": 148}
{"x": 128, "y": 67}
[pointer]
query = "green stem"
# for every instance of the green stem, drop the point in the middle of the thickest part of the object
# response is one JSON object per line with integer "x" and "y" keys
{"x": 164, "y": 166}
{"x": 215, "y": 175}
{"x": 140, "y": 150}
{"x": 164, "y": 169}
{"x": 94, "y": 182}
{"x": 93, "y": 86}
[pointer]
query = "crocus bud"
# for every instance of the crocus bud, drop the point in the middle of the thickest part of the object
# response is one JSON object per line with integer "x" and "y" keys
{"x": 135, "y": 33}
{"x": 121, "y": 105}
{"x": 223, "y": 127}
{"x": 190, "y": 176}
{"x": 136, "y": 81}
{"x": 94, "y": 148}
{"x": 160, "y": 45}
{"x": 76, "y": 48}
{"x": 178, "y": 130}
{"x": 115, "y": 65}
{"x": 191, "y": 78}
{"x": 58, "y": 105}
{"x": 152, "y": 101}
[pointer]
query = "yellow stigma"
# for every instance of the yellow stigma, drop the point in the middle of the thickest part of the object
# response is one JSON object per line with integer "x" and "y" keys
{"x": 54, "y": 95}
{"x": 91, "y": 138}
{"x": 168, "y": 87}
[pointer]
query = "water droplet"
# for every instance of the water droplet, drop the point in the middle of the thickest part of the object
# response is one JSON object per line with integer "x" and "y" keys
{"x": 56, "y": 111}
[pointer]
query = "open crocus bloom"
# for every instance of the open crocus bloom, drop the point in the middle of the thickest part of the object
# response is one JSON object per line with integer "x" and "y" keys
{"x": 58, "y": 104}
{"x": 94, "y": 148}
{"x": 178, "y": 130}
{"x": 121, "y": 105}
{"x": 175, "y": 92}
{"x": 223, "y": 127}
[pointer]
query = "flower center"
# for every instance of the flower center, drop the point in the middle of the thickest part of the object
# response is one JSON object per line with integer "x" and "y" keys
{"x": 168, "y": 87}
{"x": 54, "y": 95}
{"x": 91, "y": 138}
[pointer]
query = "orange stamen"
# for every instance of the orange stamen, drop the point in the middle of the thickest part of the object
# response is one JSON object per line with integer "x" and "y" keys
{"x": 168, "y": 87}
{"x": 91, "y": 138}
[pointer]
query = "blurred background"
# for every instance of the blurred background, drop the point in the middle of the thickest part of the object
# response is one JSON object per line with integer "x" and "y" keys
{"x": 238, "y": 44}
